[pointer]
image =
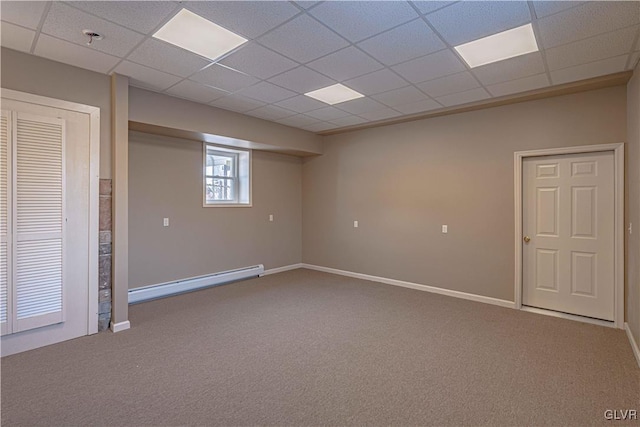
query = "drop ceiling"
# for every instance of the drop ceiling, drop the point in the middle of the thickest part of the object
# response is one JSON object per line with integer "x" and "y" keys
{"x": 400, "y": 55}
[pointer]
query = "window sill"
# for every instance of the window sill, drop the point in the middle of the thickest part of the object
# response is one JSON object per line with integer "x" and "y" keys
{"x": 227, "y": 205}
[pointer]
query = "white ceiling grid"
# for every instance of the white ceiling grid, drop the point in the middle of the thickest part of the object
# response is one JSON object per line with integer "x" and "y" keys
{"x": 398, "y": 54}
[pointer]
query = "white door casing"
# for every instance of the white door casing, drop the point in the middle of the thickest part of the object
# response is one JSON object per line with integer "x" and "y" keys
{"x": 79, "y": 284}
{"x": 5, "y": 220}
{"x": 617, "y": 253}
{"x": 568, "y": 215}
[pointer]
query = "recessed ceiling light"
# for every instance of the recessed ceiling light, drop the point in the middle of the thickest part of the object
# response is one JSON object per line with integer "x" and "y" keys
{"x": 497, "y": 47}
{"x": 198, "y": 35}
{"x": 334, "y": 94}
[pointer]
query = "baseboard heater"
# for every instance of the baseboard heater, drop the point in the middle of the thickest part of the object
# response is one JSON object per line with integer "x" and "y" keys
{"x": 162, "y": 290}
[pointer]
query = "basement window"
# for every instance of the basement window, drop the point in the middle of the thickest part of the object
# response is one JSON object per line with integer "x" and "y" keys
{"x": 227, "y": 176}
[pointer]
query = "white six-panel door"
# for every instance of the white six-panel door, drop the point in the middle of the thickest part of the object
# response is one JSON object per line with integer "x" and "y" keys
{"x": 568, "y": 234}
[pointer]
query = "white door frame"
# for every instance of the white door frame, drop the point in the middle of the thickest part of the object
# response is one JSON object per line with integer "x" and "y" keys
{"x": 94, "y": 183}
{"x": 618, "y": 154}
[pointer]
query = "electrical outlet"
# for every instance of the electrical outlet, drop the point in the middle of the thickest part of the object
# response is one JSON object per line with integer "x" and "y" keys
{"x": 355, "y": 224}
{"x": 165, "y": 222}
{"x": 630, "y": 228}
{"x": 445, "y": 229}
{"x": 271, "y": 218}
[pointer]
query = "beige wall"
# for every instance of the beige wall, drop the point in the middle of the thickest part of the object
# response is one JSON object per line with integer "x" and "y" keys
{"x": 40, "y": 76}
{"x": 165, "y": 180}
{"x": 633, "y": 177}
{"x": 402, "y": 182}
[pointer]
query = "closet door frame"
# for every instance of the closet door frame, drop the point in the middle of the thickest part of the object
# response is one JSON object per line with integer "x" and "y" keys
{"x": 94, "y": 183}
{"x": 7, "y": 326}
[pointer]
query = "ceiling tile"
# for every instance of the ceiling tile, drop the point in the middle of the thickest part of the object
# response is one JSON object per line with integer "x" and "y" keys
{"x": 360, "y": 105}
{"x": 237, "y": 103}
{"x": 301, "y": 104}
{"x": 430, "y": 6}
{"x": 418, "y": 107}
{"x": 258, "y": 61}
{"x": 271, "y": 112}
{"x": 430, "y": 67}
{"x": 298, "y": 120}
{"x": 510, "y": 69}
{"x": 303, "y": 39}
{"x": 267, "y": 92}
{"x": 24, "y": 13}
{"x": 592, "y": 49}
{"x": 463, "y": 97}
{"x": 520, "y": 85}
{"x": 587, "y": 20}
{"x": 327, "y": 113}
{"x": 371, "y": 19}
{"x": 376, "y": 82}
{"x": 319, "y": 127}
{"x": 141, "y": 16}
{"x": 72, "y": 54}
{"x": 348, "y": 121}
{"x": 586, "y": 71}
{"x": 224, "y": 78}
{"x": 165, "y": 57}
{"x": 385, "y": 113}
{"x": 401, "y": 96}
{"x": 67, "y": 23}
{"x": 471, "y": 20}
{"x": 247, "y": 18}
{"x": 196, "y": 92}
{"x": 302, "y": 80}
{"x": 399, "y": 44}
{"x": 345, "y": 64}
{"x": 15, "y": 37}
{"x": 546, "y": 8}
{"x": 145, "y": 77}
{"x": 449, "y": 84}
{"x": 306, "y": 4}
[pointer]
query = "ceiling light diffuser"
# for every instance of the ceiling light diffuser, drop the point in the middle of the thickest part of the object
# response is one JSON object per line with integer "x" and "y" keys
{"x": 334, "y": 94}
{"x": 498, "y": 47}
{"x": 198, "y": 35}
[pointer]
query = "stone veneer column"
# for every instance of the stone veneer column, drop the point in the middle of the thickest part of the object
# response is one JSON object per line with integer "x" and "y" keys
{"x": 104, "y": 265}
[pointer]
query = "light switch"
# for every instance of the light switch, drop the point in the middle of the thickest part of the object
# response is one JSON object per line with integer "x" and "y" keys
{"x": 271, "y": 217}
{"x": 355, "y": 224}
{"x": 445, "y": 229}
{"x": 165, "y": 222}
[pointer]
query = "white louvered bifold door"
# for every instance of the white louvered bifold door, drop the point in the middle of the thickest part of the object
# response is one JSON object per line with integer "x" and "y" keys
{"x": 5, "y": 208}
{"x": 38, "y": 224}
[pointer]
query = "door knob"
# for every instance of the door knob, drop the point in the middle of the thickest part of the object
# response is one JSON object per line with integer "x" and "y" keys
{"x": 527, "y": 239}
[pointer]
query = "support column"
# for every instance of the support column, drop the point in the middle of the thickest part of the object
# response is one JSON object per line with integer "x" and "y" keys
{"x": 120, "y": 201}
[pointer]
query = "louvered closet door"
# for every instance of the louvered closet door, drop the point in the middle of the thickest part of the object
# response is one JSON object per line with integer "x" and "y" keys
{"x": 5, "y": 197}
{"x": 38, "y": 221}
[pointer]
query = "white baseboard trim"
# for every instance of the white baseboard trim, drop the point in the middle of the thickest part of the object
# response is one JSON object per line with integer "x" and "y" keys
{"x": 634, "y": 344}
{"x": 281, "y": 269}
{"x": 432, "y": 289}
{"x": 120, "y": 326}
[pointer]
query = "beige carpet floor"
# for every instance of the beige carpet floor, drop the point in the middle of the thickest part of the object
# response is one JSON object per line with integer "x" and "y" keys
{"x": 309, "y": 348}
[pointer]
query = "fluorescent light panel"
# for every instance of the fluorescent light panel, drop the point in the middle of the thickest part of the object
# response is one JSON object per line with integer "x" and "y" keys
{"x": 334, "y": 94}
{"x": 498, "y": 47}
{"x": 198, "y": 35}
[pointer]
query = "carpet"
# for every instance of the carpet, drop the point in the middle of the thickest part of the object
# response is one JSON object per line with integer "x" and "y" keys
{"x": 311, "y": 348}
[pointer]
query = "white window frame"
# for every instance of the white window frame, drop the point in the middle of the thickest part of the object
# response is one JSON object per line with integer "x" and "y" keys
{"x": 242, "y": 184}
